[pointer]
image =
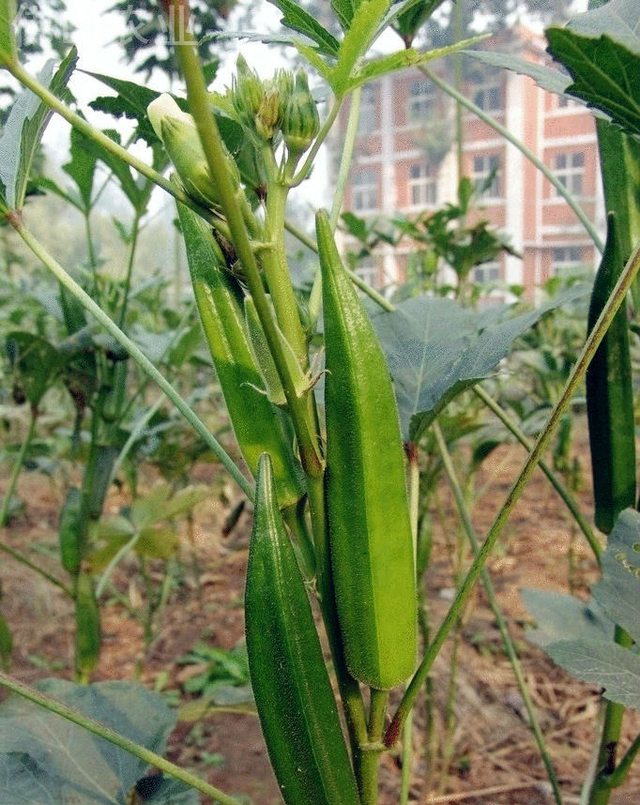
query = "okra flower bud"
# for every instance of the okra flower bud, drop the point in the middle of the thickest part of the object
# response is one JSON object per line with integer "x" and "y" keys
{"x": 248, "y": 91}
{"x": 301, "y": 121}
{"x": 269, "y": 116}
{"x": 180, "y": 137}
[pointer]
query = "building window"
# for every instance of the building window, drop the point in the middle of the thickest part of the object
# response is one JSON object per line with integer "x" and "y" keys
{"x": 487, "y": 272}
{"x": 488, "y": 97}
{"x": 367, "y": 270}
{"x": 368, "y": 121}
{"x": 422, "y": 186}
{"x": 365, "y": 190}
{"x": 484, "y": 167}
{"x": 564, "y": 257}
{"x": 569, "y": 171}
{"x": 422, "y": 100}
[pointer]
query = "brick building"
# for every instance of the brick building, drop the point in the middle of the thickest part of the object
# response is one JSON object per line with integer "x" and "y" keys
{"x": 405, "y": 162}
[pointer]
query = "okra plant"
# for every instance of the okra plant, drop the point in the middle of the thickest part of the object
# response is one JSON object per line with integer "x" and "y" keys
{"x": 335, "y": 450}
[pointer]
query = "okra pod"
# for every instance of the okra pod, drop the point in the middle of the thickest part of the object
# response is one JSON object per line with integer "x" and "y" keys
{"x": 370, "y": 542}
{"x": 88, "y": 628}
{"x": 257, "y": 424}
{"x": 70, "y": 531}
{"x": 610, "y": 408}
{"x": 293, "y": 694}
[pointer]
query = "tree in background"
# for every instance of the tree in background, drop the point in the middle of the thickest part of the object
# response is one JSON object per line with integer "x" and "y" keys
{"x": 145, "y": 43}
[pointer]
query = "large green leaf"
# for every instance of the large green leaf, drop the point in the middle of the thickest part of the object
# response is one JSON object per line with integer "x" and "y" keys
{"x": 35, "y": 363}
{"x": 618, "y": 592}
{"x": 562, "y": 617}
{"x": 81, "y": 167}
{"x": 603, "y": 663}
{"x": 46, "y": 759}
{"x": 605, "y": 74}
{"x": 24, "y": 129}
{"x": 546, "y": 78}
{"x": 619, "y": 19}
{"x": 435, "y": 349}
{"x": 7, "y": 41}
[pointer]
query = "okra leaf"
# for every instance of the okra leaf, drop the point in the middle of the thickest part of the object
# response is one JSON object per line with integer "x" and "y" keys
{"x": 408, "y": 17}
{"x": 603, "y": 663}
{"x": 563, "y": 617}
{"x": 619, "y": 19}
{"x": 344, "y": 10}
{"x": 7, "y": 41}
{"x": 296, "y": 18}
{"x": 618, "y": 592}
{"x": 81, "y": 167}
{"x": 356, "y": 42}
{"x": 45, "y": 758}
{"x": 35, "y": 363}
{"x": 24, "y": 128}
{"x": 605, "y": 74}
{"x": 547, "y": 78}
{"x": 436, "y": 349}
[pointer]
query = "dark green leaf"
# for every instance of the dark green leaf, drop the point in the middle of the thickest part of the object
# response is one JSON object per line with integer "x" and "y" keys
{"x": 435, "y": 349}
{"x": 299, "y": 20}
{"x": 407, "y": 17}
{"x": 618, "y": 592}
{"x": 48, "y": 184}
{"x": 602, "y": 663}
{"x": 46, "y": 759}
{"x": 605, "y": 74}
{"x": 35, "y": 363}
{"x": 344, "y": 10}
{"x": 24, "y": 129}
{"x": 82, "y": 166}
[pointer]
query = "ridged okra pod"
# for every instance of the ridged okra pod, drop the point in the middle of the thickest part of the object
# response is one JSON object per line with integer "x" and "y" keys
{"x": 610, "y": 408}
{"x": 70, "y": 531}
{"x": 370, "y": 540}
{"x": 293, "y": 694}
{"x": 88, "y": 627}
{"x": 257, "y": 424}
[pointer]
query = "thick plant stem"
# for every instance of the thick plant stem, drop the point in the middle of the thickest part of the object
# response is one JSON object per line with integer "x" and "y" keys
{"x": 349, "y": 688}
{"x": 17, "y": 466}
{"x": 612, "y": 727}
{"x": 528, "y": 153}
{"x": 557, "y": 484}
{"x": 497, "y": 614}
{"x": 107, "y": 143}
{"x": 368, "y": 779}
{"x": 231, "y": 199}
{"x": 614, "y": 303}
{"x": 138, "y": 356}
{"x": 154, "y": 760}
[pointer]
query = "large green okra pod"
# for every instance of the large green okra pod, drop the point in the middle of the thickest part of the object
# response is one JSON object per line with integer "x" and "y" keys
{"x": 369, "y": 529}
{"x": 257, "y": 424}
{"x": 88, "y": 628}
{"x": 610, "y": 397}
{"x": 293, "y": 694}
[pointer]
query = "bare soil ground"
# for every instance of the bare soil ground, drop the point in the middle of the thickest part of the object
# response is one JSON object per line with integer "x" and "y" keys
{"x": 486, "y": 756}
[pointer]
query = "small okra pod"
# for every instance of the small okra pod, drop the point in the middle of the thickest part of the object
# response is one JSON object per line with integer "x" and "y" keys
{"x": 88, "y": 628}
{"x": 70, "y": 531}
{"x": 370, "y": 540}
{"x": 293, "y": 694}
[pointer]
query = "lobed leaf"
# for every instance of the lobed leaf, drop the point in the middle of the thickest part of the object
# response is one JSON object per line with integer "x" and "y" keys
{"x": 296, "y": 18}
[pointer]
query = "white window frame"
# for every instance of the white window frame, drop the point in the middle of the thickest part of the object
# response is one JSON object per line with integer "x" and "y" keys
{"x": 368, "y": 270}
{"x": 573, "y": 261}
{"x": 569, "y": 170}
{"x": 488, "y": 96}
{"x": 480, "y": 172}
{"x": 421, "y": 104}
{"x": 486, "y": 272}
{"x": 365, "y": 190}
{"x": 423, "y": 188}
{"x": 369, "y": 120}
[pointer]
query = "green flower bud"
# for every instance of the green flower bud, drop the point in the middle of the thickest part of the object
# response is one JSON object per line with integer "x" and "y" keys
{"x": 180, "y": 137}
{"x": 247, "y": 91}
{"x": 269, "y": 116}
{"x": 301, "y": 122}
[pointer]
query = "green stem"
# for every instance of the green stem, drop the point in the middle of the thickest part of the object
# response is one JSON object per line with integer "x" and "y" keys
{"x": 107, "y": 143}
{"x": 135, "y": 229}
{"x": 619, "y": 775}
{"x": 138, "y": 356}
{"x": 91, "y": 253}
{"x": 305, "y": 170}
{"x": 231, "y": 197}
{"x": 528, "y": 153}
{"x": 369, "y": 770}
{"x": 557, "y": 484}
{"x": 19, "y": 557}
{"x": 609, "y": 738}
{"x": 294, "y": 517}
{"x": 17, "y": 466}
{"x": 497, "y": 613}
{"x": 360, "y": 283}
{"x": 615, "y": 301}
{"x": 349, "y": 688}
{"x": 146, "y": 755}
